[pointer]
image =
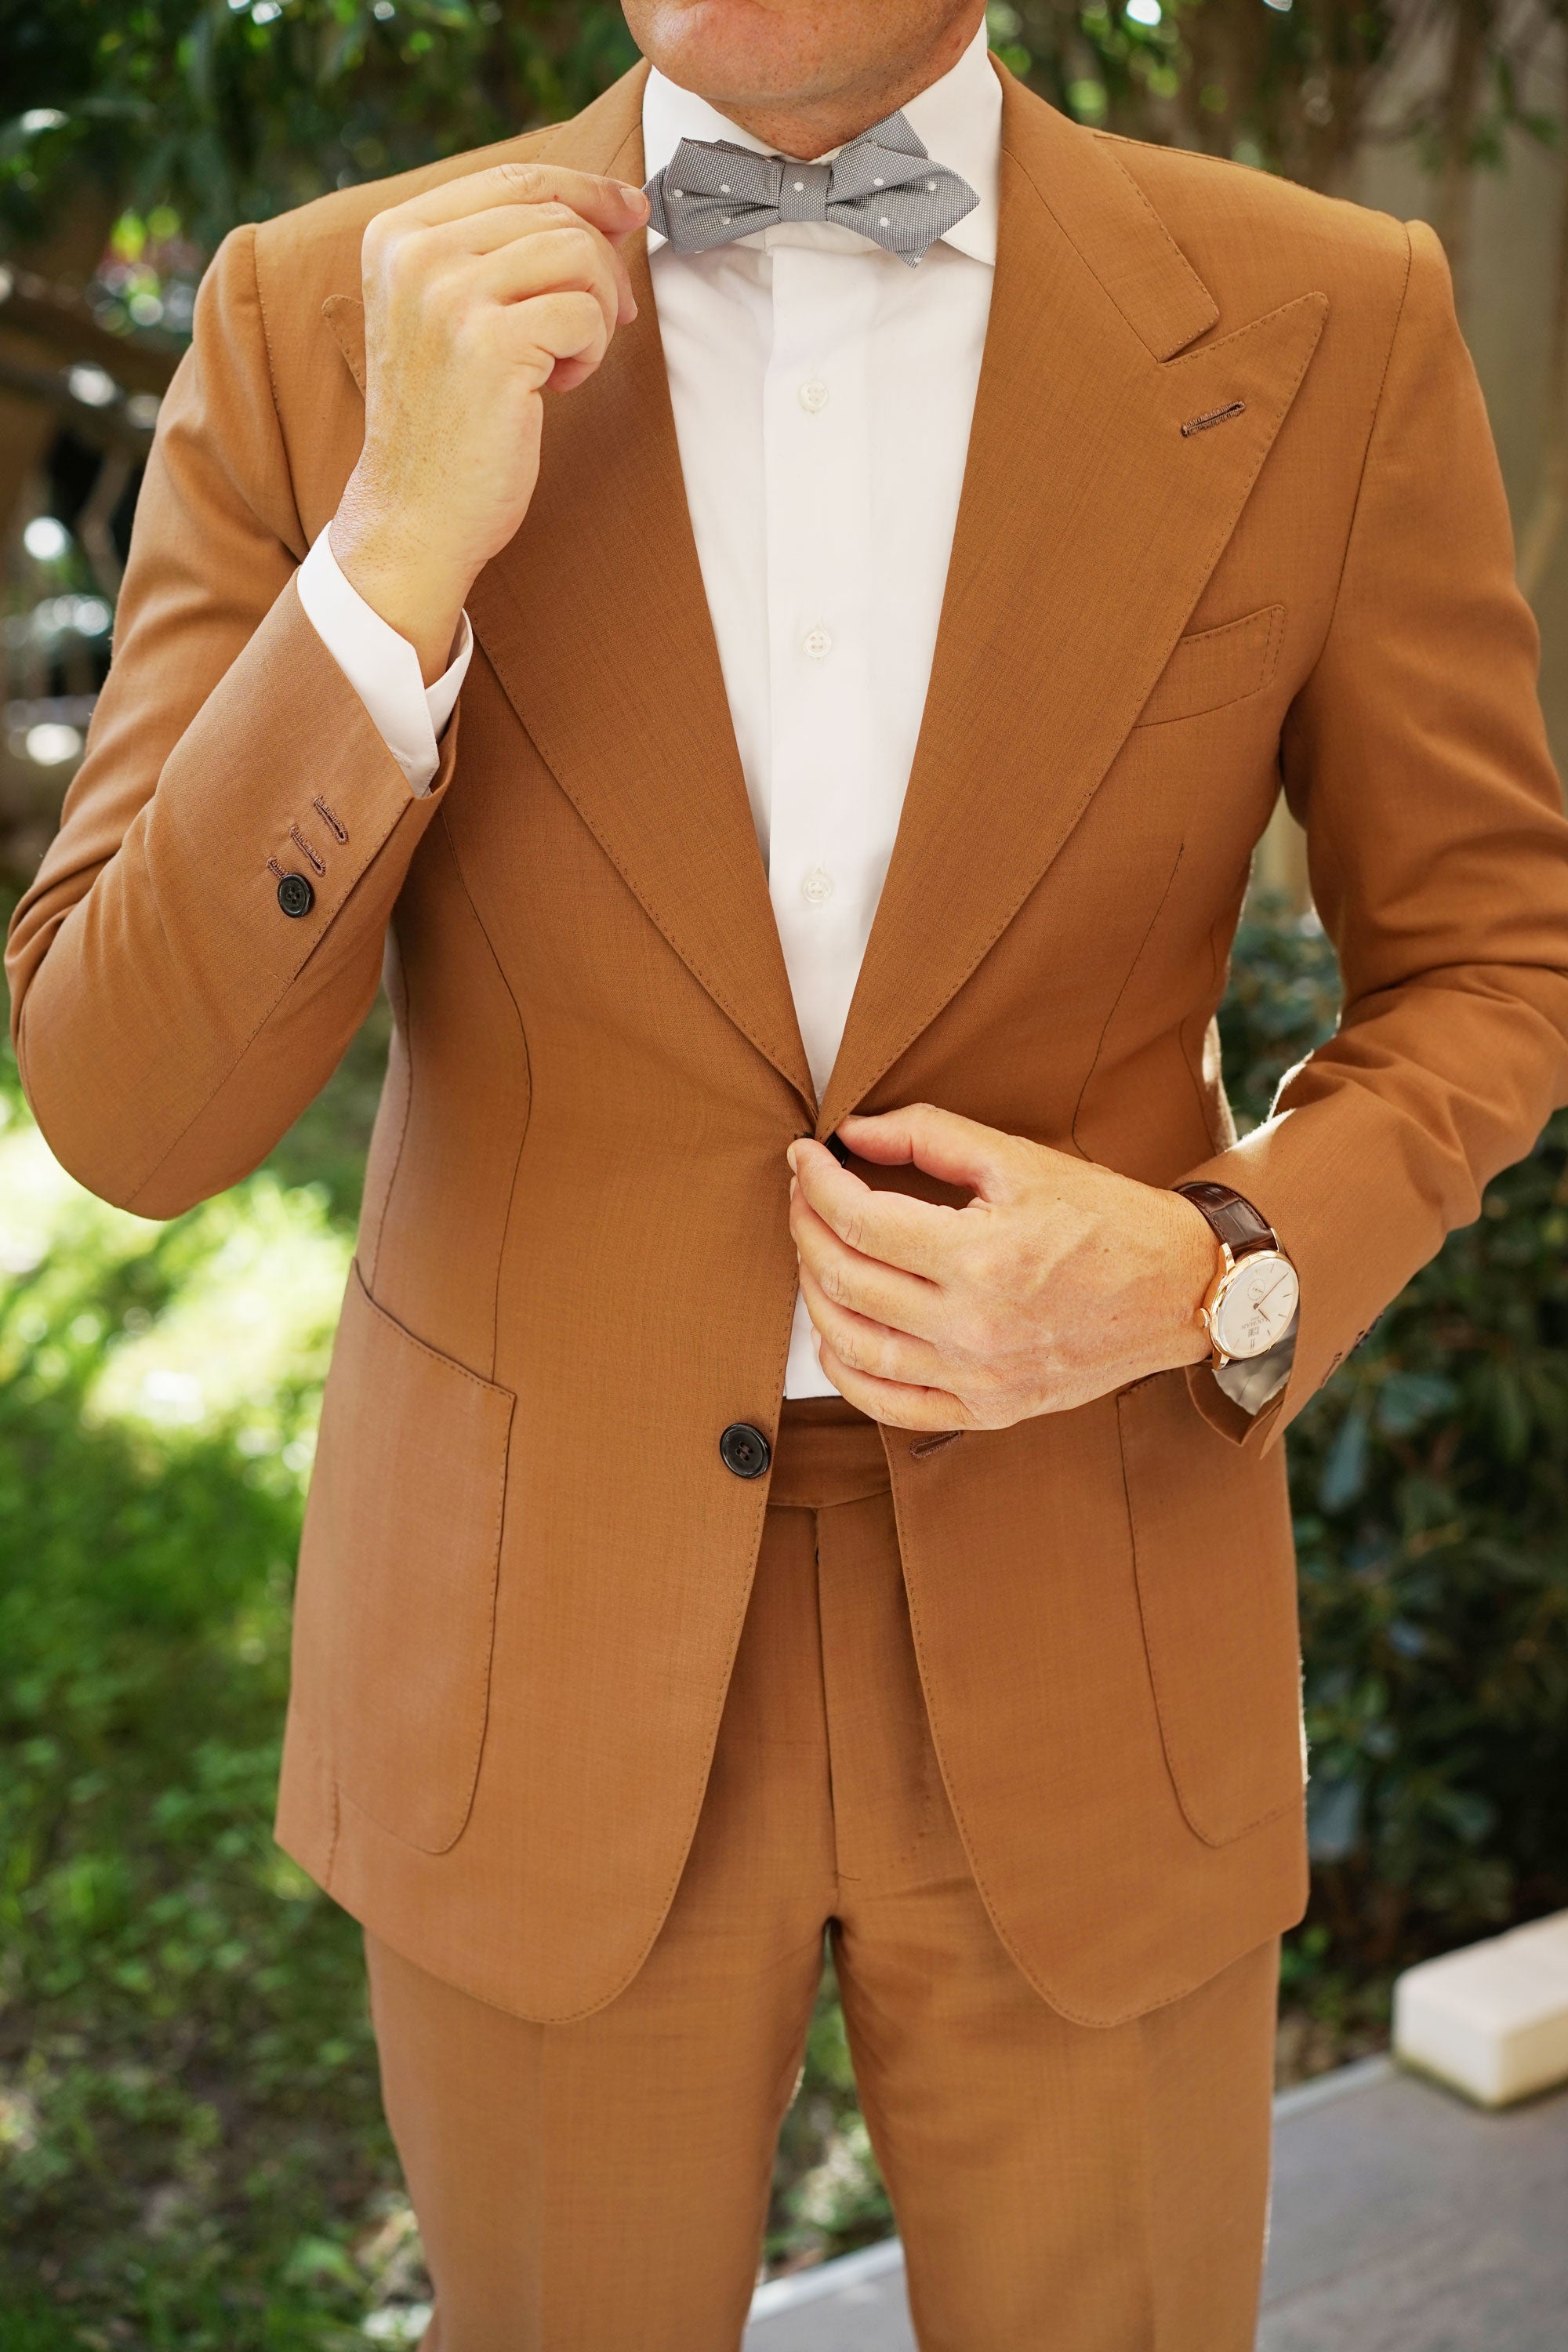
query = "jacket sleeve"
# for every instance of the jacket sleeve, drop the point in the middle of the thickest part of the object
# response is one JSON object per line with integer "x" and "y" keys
{"x": 171, "y": 1020}
{"x": 1415, "y": 758}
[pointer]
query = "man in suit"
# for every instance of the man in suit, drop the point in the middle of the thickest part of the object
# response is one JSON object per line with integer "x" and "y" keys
{"x": 718, "y": 1540}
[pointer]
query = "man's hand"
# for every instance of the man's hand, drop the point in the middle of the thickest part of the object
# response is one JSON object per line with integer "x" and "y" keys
{"x": 1060, "y": 1281}
{"x": 478, "y": 296}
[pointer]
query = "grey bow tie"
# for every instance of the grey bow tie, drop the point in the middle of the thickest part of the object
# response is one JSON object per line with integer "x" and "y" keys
{"x": 883, "y": 184}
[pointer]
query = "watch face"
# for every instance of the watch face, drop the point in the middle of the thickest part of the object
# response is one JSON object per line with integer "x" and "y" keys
{"x": 1257, "y": 1303}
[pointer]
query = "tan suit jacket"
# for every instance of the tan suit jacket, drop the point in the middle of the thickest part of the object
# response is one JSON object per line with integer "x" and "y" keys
{"x": 1231, "y": 514}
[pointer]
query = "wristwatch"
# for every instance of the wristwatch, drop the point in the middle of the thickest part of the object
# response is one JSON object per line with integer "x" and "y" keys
{"x": 1256, "y": 1292}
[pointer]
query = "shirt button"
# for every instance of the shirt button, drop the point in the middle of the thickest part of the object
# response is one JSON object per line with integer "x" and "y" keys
{"x": 295, "y": 895}
{"x": 817, "y": 643}
{"x": 817, "y": 887}
{"x": 813, "y": 396}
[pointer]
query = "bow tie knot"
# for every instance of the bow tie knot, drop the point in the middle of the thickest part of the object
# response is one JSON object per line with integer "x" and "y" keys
{"x": 883, "y": 185}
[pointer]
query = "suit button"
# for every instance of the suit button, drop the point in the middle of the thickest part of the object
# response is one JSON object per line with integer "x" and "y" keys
{"x": 295, "y": 895}
{"x": 745, "y": 1450}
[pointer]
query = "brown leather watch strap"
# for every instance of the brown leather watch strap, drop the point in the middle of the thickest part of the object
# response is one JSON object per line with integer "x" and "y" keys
{"x": 1235, "y": 1221}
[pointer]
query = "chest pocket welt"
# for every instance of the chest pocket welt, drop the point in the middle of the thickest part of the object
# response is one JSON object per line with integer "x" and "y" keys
{"x": 1214, "y": 667}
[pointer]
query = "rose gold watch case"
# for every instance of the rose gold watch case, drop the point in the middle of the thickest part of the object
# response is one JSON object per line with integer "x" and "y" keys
{"x": 1230, "y": 1313}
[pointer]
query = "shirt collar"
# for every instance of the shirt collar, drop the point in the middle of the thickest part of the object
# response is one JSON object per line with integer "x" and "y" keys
{"x": 959, "y": 119}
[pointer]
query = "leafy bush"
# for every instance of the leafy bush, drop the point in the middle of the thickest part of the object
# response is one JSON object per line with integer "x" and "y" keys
{"x": 1430, "y": 1488}
{"x": 191, "y": 2137}
{"x": 232, "y": 113}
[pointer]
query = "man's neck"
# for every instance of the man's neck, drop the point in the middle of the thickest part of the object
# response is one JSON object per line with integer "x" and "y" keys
{"x": 808, "y": 129}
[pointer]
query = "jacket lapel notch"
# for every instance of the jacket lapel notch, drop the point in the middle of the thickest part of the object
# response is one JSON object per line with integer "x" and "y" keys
{"x": 1110, "y": 221}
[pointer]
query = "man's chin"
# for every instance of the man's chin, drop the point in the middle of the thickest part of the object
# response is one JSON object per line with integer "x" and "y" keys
{"x": 743, "y": 55}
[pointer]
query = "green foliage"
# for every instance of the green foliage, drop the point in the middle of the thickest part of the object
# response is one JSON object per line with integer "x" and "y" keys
{"x": 828, "y": 2192}
{"x": 1286, "y": 86}
{"x": 1430, "y": 1485}
{"x": 227, "y": 113}
{"x": 188, "y": 2118}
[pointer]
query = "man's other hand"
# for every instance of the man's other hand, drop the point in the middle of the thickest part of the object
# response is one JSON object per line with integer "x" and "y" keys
{"x": 479, "y": 296}
{"x": 1057, "y": 1282}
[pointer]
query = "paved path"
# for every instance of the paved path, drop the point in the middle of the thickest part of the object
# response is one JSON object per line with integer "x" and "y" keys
{"x": 1404, "y": 2221}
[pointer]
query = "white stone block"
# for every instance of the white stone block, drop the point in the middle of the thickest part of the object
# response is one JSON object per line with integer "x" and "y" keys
{"x": 1492, "y": 2020}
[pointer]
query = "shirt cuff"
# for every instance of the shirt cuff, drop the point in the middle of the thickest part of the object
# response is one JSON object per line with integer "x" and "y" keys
{"x": 383, "y": 667}
{"x": 1254, "y": 1381}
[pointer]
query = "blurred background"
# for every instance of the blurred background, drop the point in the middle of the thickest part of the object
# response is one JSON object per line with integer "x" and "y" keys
{"x": 191, "y": 2152}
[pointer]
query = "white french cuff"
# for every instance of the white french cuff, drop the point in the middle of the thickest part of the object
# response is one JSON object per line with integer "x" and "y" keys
{"x": 383, "y": 667}
{"x": 1252, "y": 1381}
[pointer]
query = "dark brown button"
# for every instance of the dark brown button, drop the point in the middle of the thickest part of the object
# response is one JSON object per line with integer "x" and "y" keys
{"x": 745, "y": 1450}
{"x": 295, "y": 895}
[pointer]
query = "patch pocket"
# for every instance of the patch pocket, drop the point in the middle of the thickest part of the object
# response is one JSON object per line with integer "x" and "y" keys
{"x": 401, "y": 1552}
{"x": 1214, "y": 666}
{"x": 1215, "y": 1566}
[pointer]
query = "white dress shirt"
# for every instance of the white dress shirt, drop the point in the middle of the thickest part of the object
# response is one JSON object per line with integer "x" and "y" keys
{"x": 823, "y": 392}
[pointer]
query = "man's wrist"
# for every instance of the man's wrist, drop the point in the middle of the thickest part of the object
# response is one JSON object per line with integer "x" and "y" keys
{"x": 1191, "y": 1262}
{"x": 412, "y": 595}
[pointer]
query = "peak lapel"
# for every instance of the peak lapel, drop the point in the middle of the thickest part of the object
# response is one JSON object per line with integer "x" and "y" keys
{"x": 596, "y": 622}
{"x": 1088, "y": 528}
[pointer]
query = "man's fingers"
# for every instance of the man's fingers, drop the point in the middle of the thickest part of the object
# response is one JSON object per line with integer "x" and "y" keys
{"x": 957, "y": 1150}
{"x": 886, "y": 1225}
{"x": 553, "y": 228}
{"x": 611, "y": 205}
{"x": 894, "y": 1403}
{"x": 559, "y": 262}
{"x": 866, "y": 1286}
{"x": 552, "y": 337}
{"x": 566, "y": 374}
{"x": 866, "y": 1346}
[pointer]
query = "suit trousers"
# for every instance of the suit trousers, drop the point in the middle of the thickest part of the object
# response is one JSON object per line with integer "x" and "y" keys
{"x": 601, "y": 2185}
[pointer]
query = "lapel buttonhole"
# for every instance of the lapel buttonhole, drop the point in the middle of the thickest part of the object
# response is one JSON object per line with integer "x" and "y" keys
{"x": 1211, "y": 416}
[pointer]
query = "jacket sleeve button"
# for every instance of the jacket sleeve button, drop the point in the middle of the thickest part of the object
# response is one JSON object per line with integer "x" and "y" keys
{"x": 745, "y": 1450}
{"x": 295, "y": 895}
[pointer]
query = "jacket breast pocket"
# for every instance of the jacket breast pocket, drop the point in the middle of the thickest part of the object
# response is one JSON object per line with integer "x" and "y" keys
{"x": 1214, "y": 1559}
{"x": 1214, "y": 667}
{"x": 400, "y": 1552}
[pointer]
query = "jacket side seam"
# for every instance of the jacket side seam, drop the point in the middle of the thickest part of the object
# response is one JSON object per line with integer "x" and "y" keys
{"x": 528, "y": 1078}
{"x": 1126, "y": 984}
{"x": 405, "y": 991}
